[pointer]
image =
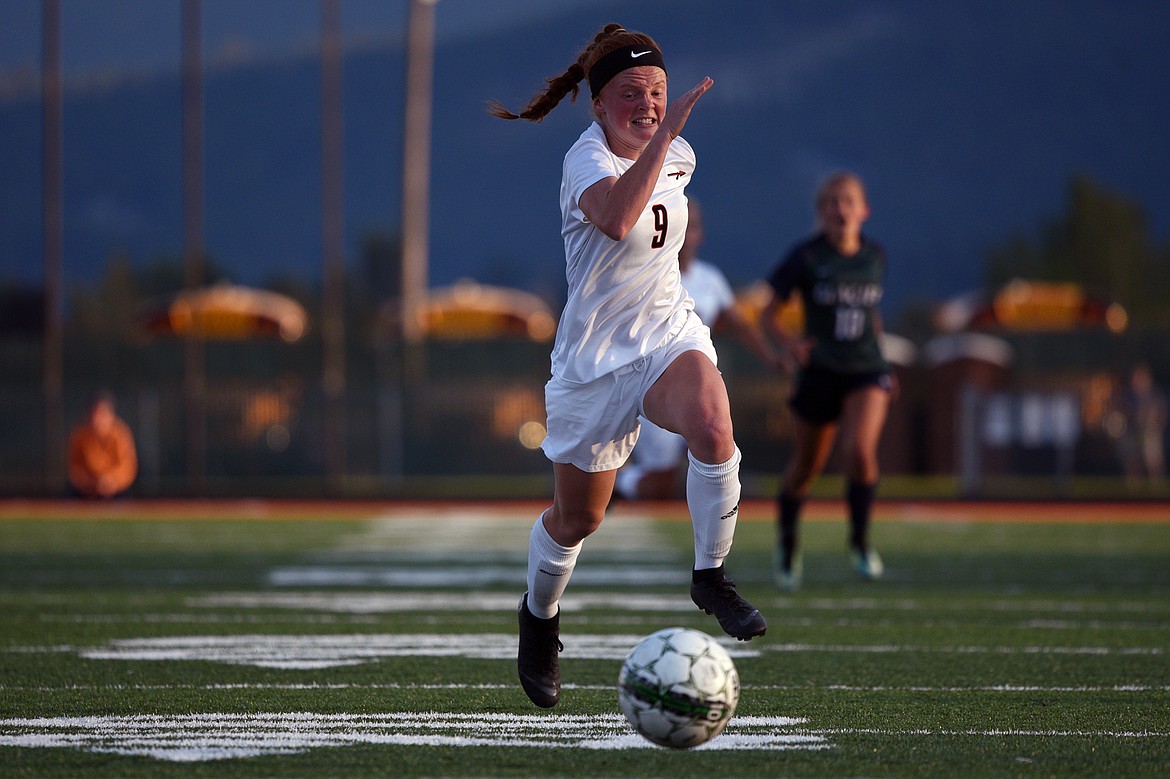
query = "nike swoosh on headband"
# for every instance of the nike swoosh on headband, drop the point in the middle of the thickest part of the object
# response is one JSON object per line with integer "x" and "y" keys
{"x": 635, "y": 54}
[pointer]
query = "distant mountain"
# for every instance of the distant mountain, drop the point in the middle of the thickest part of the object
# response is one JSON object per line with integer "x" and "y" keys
{"x": 966, "y": 119}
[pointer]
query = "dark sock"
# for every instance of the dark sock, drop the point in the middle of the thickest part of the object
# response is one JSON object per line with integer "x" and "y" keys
{"x": 860, "y": 498}
{"x": 789, "y": 519}
{"x": 706, "y": 574}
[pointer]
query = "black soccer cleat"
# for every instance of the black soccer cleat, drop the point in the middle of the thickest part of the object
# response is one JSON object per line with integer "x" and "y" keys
{"x": 715, "y": 594}
{"x": 538, "y": 660}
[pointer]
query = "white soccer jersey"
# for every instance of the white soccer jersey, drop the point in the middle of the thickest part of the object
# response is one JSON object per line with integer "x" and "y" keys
{"x": 709, "y": 289}
{"x": 626, "y": 297}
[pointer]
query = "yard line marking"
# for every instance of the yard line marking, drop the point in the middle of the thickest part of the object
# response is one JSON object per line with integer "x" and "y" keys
{"x": 471, "y": 527}
{"x": 995, "y": 733}
{"x": 210, "y": 619}
{"x": 306, "y": 652}
{"x": 1005, "y": 688}
{"x": 312, "y": 652}
{"x": 217, "y": 736}
{"x": 1090, "y": 624}
{"x": 966, "y": 650}
{"x": 379, "y": 601}
{"x": 204, "y": 737}
{"x": 1153, "y": 606}
{"x": 462, "y": 577}
{"x": 335, "y": 686}
{"x": 435, "y": 602}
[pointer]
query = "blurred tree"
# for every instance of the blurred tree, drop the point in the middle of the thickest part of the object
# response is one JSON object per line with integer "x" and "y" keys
{"x": 165, "y": 275}
{"x": 1101, "y": 242}
{"x": 22, "y": 310}
{"x": 378, "y": 279}
{"x": 915, "y": 320}
{"x": 381, "y": 265}
{"x": 298, "y": 288}
{"x": 106, "y": 312}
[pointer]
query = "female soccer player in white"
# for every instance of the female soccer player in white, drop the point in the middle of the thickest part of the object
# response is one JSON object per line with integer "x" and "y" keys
{"x": 652, "y": 472}
{"x": 628, "y": 342}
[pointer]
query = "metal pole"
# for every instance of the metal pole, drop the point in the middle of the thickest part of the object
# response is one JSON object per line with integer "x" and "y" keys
{"x": 194, "y": 385}
{"x": 333, "y": 243}
{"x": 416, "y": 164}
{"x": 53, "y": 205}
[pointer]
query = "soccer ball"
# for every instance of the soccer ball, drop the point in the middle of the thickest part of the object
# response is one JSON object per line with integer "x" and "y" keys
{"x": 678, "y": 687}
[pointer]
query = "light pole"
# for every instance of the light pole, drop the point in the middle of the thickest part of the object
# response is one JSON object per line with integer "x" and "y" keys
{"x": 332, "y": 244}
{"x": 416, "y": 165}
{"x": 53, "y": 380}
{"x": 194, "y": 382}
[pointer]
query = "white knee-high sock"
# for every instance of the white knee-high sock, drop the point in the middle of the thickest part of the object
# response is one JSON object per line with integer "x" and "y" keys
{"x": 549, "y": 567}
{"x": 713, "y": 499}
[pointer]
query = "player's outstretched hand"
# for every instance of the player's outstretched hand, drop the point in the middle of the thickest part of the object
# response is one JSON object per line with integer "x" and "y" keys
{"x": 679, "y": 110}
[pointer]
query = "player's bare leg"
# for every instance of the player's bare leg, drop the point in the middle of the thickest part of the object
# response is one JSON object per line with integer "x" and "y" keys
{"x": 553, "y": 545}
{"x": 813, "y": 444}
{"x": 691, "y": 399}
{"x": 863, "y": 416}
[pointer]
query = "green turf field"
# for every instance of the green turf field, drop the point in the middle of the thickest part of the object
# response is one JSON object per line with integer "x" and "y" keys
{"x": 385, "y": 646}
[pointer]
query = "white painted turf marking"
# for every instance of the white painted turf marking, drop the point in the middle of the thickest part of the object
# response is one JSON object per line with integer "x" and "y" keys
{"x": 330, "y": 651}
{"x": 1003, "y": 688}
{"x": 464, "y": 576}
{"x": 433, "y": 602}
{"x": 464, "y": 528}
{"x": 476, "y": 548}
{"x": 203, "y": 737}
{"x": 309, "y": 652}
{"x": 968, "y": 650}
{"x": 1153, "y": 606}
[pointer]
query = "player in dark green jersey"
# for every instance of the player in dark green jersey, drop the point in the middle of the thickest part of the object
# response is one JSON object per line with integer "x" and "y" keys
{"x": 843, "y": 382}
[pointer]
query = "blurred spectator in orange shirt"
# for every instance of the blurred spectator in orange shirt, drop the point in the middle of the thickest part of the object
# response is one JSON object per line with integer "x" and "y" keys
{"x": 102, "y": 458}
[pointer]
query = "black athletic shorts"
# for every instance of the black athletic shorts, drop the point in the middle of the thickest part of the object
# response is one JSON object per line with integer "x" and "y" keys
{"x": 820, "y": 393}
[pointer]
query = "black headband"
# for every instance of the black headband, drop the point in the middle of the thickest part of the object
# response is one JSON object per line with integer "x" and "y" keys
{"x": 620, "y": 59}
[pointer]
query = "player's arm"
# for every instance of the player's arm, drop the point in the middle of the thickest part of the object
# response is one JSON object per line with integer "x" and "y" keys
{"x": 614, "y": 204}
{"x": 879, "y": 329}
{"x": 784, "y": 282}
{"x": 735, "y": 324}
{"x": 794, "y": 351}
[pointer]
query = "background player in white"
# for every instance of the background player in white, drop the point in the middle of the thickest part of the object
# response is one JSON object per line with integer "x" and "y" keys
{"x": 652, "y": 472}
{"x": 628, "y": 342}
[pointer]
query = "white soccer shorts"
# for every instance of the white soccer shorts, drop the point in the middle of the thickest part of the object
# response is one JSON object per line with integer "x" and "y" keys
{"x": 594, "y": 426}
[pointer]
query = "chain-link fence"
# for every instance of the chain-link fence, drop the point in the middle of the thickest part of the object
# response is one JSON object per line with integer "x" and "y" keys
{"x": 467, "y": 418}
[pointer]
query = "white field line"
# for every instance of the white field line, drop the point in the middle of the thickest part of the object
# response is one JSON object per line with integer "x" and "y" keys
{"x": 380, "y": 601}
{"x": 467, "y": 576}
{"x": 996, "y": 733}
{"x": 671, "y": 576}
{"x": 968, "y": 650}
{"x": 470, "y": 547}
{"x": 214, "y": 736}
{"x": 308, "y": 652}
{"x": 210, "y": 619}
{"x": 454, "y": 686}
{"x": 457, "y": 529}
{"x": 203, "y": 737}
{"x": 363, "y": 611}
{"x": 433, "y": 602}
{"x": 967, "y": 605}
